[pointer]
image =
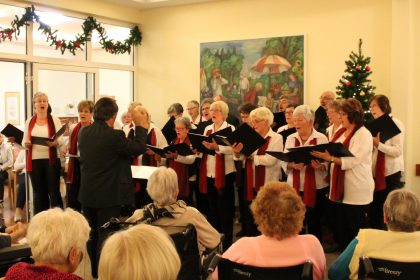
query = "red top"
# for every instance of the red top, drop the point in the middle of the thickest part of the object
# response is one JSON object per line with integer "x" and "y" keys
{"x": 25, "y": 271}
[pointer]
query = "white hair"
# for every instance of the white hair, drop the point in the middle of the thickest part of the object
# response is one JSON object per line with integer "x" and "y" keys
{"x": 54, "y": 232}
{"x": 305, "y": 111}
{"x": 163, "y": 186}
{"x": 262, "y": 113}
{"x": 141, "y": 252}
{"x": 222, "y": 106}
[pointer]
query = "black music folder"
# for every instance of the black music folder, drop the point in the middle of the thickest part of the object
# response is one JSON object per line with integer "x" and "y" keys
{"x": 286, "y": 133}
{"x": 43, "y": 140}
{"x": 168, "y": 130}
{"x": 385, "y": 126}
{"x": 197, "y": 139}
{"x": 13, "y": 131}
{"x": 303, "y": 154}
{"x": 246, "y": 135}
{"x": 201, "y": 127}
{"x": 182, "y": 149}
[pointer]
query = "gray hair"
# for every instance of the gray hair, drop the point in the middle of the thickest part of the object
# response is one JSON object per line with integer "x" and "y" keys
{"x": 304, "y": 111}
{"x": 262, "y": 113}
{"x": 328, "y": 93}
{"x": 206, "y": 101}
{"x": 183, "y": 120}
{"x": 163, "y": 186}
{"x": 175, "y": 108}
{"x": 52, "y": 233}
{"x": 402, "y": 208}
{"x": 335, "y": 105}
{"x": 222, "y": 106}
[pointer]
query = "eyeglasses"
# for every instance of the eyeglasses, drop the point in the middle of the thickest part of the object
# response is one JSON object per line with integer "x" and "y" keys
{"x": 191, "y": 108}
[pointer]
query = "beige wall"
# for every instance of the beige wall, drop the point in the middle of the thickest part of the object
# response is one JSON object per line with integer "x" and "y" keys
{"x": 169, "y": 56}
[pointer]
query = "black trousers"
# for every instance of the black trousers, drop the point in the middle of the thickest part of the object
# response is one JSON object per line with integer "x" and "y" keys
{"x": 96, "y": 217}
{"x": 315, "y": 216}
{"x": 73, "y": 189}
{"x": 392, "y": 182}
{"x": 221, "y": 208}
{"x": 45, "y": 180}
{"x": 3, "y": 177}
{"x": 351, "y": 218}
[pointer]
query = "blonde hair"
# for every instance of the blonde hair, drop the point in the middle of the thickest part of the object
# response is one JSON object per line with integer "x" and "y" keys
{"x": 278, "y": 210}
{"x": 163, "y": 186}
{"x": 141, "y": 252}
{"x": 262, "y": 113}
{"x": 39, "y": 94}
{"x": 52, "y": 233}
{"x": 222, "y": 106}
{"x": 141, "y": 108}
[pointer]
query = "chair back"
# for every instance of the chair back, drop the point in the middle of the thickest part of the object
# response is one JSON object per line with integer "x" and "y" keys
{"x": 186, "y": 245}
{"x": 12, "y": 255}
{"x": 371, "y": 268}
{"x": 235, "y": 271}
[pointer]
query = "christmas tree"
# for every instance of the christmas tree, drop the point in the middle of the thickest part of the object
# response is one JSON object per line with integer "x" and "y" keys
{"x": 355, "y": 83}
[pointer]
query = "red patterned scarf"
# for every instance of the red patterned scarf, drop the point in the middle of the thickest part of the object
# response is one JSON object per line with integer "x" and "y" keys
{"x": 337, "y": 134}
{"x": 259, "y": 172}
{"x": 338, "y": 175}
{"x": 380, "y": 182}
{"x": 72, "y": 151}
{"x": 309, "y": 184}
{"x": 52, "y": 151}
{"x": 150, "y": 160}
{"x": 182, "y": 172}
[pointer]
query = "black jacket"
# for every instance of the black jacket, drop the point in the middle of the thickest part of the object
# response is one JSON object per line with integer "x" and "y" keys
{"x": 105, "y": 159}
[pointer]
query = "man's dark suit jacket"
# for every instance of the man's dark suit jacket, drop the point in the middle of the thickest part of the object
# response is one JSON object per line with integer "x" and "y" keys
{"x": 105, "y": 159}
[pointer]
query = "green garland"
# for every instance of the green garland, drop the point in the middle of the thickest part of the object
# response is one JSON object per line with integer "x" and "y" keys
{"x": 90, "y": 24}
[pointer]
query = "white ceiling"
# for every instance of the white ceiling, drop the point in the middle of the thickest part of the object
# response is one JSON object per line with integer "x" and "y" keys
{"x": 149, "y": 4}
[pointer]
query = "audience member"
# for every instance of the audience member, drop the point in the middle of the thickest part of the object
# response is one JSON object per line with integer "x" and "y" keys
{"x": 168, "y": 212}
{"x": 399, "y": 243}
{"x": 6, "y": 161}
{"x": 20, "y": 167}
{"x": 141, "y": 252}
{"x": 279, "y": 212}
{"x": 57, "y": 239}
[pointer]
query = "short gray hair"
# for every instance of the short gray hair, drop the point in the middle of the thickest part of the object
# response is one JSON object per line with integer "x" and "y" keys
{"x": 328, "y": 93}
{"x": 183, "y": 120}
{"x": 335, "y": 105}
{"x": 163, "y": 186}
{"x": 176, "y": 108}
{"x": 402, "y": 208}
{"x": 52, "y": 233}
{"x": 222, "y": 106}
{"x": 262, "y": 113}
{"x": 305, "y": 111}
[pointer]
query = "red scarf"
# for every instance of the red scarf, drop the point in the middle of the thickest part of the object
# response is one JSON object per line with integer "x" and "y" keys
{"x": 337, "y": 134}
{"x": 309, "y": 184}
{"x": 52, "y": 151}
{"x": 182, "y": 172}
{"x": 380, "y": 182}
{"x": 338, "y": 175}
{"x": 219, "y": 180}
{"x": 259, "y": 172}
{"x": 73, "y": 151}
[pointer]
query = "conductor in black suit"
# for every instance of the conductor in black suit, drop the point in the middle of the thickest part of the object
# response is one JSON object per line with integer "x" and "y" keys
{"x": 106, "y": 179}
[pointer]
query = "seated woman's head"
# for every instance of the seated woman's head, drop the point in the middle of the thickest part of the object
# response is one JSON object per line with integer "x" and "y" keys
{"x": 58, "y": 237}
{"x": 140, "y": 252}
{"x": 162, "y": 186}
{"x": 278, "y": 210}
{"x": 402, "y": 211}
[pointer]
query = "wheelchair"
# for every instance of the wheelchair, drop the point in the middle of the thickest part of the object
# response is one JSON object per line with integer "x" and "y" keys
{"x": 379, "y": 269}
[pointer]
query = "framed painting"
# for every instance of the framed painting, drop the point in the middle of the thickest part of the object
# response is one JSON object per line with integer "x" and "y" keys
{"x": 12, "y": 108}
{"x": 258, "y": 71}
